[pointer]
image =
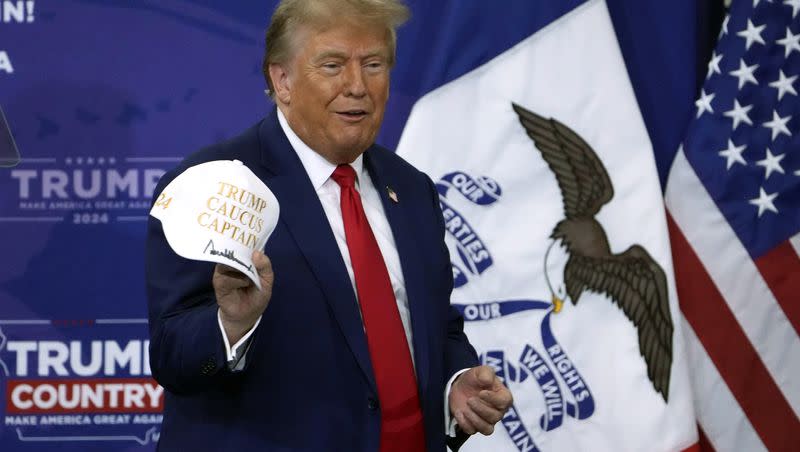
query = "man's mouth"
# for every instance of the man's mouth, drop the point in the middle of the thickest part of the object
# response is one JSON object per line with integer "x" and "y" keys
{"x": 352, "y": 115}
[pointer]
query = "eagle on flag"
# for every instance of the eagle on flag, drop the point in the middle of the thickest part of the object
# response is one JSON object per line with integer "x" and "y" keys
{"x": 579, "y": 257}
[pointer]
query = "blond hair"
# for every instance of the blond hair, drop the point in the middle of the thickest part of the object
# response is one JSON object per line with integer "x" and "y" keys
{"x": 290, "y": 14}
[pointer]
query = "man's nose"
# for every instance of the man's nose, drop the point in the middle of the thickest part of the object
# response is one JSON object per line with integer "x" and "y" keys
{"x": 354, "y": 81}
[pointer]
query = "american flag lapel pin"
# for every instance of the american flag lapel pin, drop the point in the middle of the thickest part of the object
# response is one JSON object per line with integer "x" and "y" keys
{"x": 392, "y": 194}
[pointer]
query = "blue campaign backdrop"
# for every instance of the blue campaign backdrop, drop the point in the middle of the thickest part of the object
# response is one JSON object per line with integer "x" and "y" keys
{"x": 103, "y": 96}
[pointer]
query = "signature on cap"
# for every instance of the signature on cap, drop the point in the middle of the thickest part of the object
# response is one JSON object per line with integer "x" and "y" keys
{"x": 227, "y": 254}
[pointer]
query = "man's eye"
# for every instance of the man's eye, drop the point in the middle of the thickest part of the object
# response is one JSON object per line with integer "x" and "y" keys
{"x": 330, "y": 66}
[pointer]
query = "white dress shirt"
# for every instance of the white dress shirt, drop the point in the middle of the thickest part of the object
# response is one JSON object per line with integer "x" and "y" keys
{"x": 319, "y": 171}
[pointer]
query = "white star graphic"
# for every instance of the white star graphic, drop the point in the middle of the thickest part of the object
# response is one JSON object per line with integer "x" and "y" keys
{"x": 752, "y": 34}
{"x": 764, "y": 202}
{"x": 778, "y": 125}
{"x": 733, "y": 154}
{"x": 790, "y": 42}
{"x": 795, "y": 4}
{"x": 724, "y": 28}
{"x": 745, "y": 73}
{"x": 797, "y": 173}
{"x": 739, "y": 114}
{"x": 771, "y": 163}
{"x": 784, "y": 84}
{"x": 713, "y": 65}
{"x": 703, "y": 104}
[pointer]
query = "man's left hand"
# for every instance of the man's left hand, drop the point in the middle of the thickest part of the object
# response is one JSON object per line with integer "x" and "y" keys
{"x": 478, "y": 400}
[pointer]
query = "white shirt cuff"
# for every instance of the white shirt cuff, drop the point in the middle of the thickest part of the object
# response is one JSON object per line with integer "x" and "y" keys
{"x": 232, "y": 353}
{"x": 449, "y": 421}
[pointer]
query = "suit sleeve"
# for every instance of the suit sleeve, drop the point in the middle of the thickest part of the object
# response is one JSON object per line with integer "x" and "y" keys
{"x": 458, "y": 352}
{"x": 187, "y": 351}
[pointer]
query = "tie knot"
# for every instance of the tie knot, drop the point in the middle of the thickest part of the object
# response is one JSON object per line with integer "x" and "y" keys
{"x": 344, "y": 175}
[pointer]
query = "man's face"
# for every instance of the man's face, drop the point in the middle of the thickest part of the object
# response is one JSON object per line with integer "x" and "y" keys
{"x": 338, "y": 84}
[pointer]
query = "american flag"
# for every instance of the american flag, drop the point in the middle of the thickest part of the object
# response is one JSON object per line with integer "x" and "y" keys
{"x": 733, "y": 197}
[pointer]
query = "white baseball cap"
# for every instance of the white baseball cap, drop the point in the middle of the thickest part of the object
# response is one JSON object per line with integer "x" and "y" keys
{"x": 218, "y": 211}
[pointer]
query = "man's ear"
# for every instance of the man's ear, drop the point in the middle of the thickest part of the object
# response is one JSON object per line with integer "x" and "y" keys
{"x": 281, "y": 82}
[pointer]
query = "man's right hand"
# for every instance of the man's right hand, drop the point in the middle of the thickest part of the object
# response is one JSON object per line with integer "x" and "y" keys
{"x": 240, "y": 302}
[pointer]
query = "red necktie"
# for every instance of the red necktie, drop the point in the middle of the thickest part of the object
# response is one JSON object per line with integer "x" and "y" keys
{"x": 401, "y": 418}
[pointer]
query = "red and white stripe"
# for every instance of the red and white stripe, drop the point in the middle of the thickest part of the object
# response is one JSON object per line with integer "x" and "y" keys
{"x": 741, "y": 319}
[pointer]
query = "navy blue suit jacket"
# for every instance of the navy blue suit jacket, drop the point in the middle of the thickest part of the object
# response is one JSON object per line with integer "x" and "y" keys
{"x": 308, "y": 383}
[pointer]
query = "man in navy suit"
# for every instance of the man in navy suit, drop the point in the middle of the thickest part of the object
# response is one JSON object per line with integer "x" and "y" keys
{"x": 351, "y": 344}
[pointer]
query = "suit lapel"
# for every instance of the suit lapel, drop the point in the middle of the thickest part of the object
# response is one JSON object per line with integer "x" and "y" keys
{"x": 398, "y": 214}
{"x": 305, "y": 219}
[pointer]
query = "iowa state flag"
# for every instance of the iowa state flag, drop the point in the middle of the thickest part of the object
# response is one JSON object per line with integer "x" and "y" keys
{"x": 558, "y": 241}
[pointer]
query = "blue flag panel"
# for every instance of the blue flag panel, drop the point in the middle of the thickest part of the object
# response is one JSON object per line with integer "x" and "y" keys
{"x": 742, "y": 143}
